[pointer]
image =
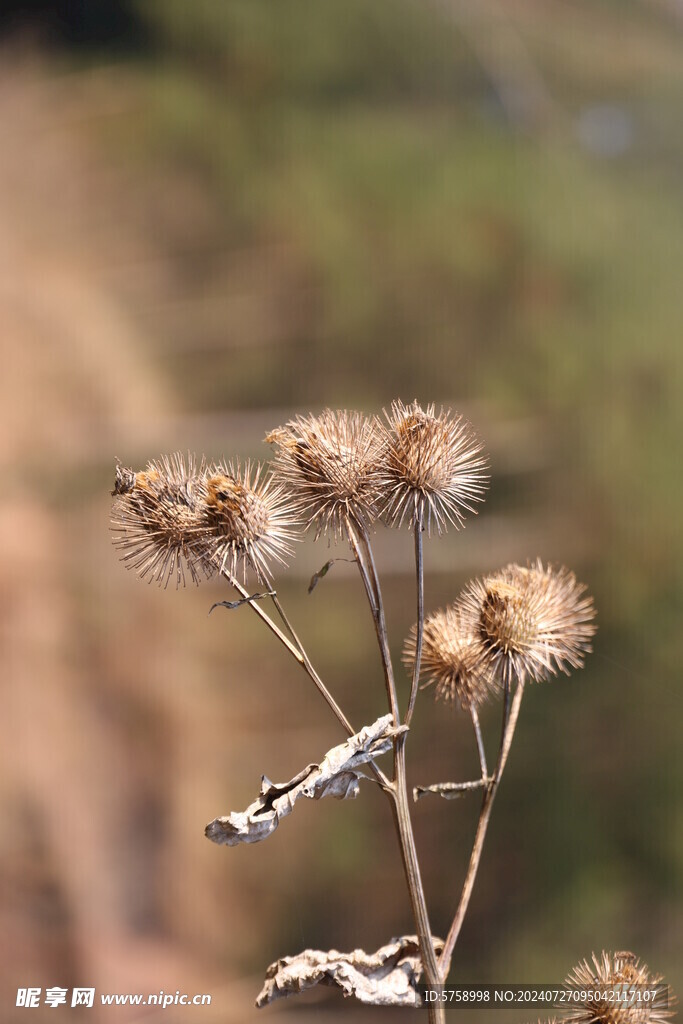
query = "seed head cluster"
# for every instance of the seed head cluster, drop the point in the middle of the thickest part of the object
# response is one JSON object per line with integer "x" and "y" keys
{"x": 178, "y": 517}
{"x": 432, "y": 469}
{"x": 450, "y": 657}
{"x": 156, "y": 520}
{"x": 531, "y": 622}
{"x": 517, "y": 624}
{"x": 619, "y": 971}
{"x": 248, "y": 520}
{"x": 328, "y": 464}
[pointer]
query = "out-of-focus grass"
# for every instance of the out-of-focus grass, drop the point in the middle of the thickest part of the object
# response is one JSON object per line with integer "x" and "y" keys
{"x": 342, "y": 211}
{"x": 431, "y": 246}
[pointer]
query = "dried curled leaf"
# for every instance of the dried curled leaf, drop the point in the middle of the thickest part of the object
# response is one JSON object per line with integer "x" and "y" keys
{"x": 450, "y": 790}
{"x": 386, "y": 978}
{"x": 337, "y": 775}
{"x": 321, "y": 573}
{"x": 244, "y": 600}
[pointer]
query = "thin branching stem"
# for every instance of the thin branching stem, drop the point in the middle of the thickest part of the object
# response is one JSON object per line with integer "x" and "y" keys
{"x": 510, "y": 715}
{"x": 360, "y": 543}
{"x": 418, "y": 528}
{"x": 411, "y": 866}
{"x": 295, "y": 649}
{"x": 480, "y": 743}
{"x": 310, "y": 670}
{"x": 308, "y": 667}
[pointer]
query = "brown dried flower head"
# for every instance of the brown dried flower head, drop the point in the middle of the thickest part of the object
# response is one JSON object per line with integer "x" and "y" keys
{"x": 432, "y": 467}
{"x": 529, "y": 622}
{"x": 327, "y": 463}
{"x": 247, "y": 520}
{"x": 175, "y": 517}
{"x": 620, "y": 971}
{"x": 451, "y": 658}
{"x": 157, "y": 519}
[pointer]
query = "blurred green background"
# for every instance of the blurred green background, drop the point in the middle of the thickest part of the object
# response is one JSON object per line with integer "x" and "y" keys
{"x": 216, "y": 215}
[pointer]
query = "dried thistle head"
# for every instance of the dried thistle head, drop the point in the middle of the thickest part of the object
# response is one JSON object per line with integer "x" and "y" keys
{"x": 175, "y": 516}
{"x": 247, "y": 520}
{"x": 451, "y": 658}
{"x": 618, "y": 971}
{"x": 432, "y": 467}
{"x": 157, "y": 519}
{"x": 327, "y": 463}
{"x": 529, "y": 622}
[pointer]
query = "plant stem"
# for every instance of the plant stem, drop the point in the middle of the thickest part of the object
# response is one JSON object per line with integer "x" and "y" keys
{"x": 301, "y": 656}
{"x": 510, "y": 715}
{"x": 307, "y": 665}
{"x": 360, "y": 543}
{"x": 420, "y": 587}
{"x": 296, "y": 651}
{"x": 480, "y": 743}
{"x": 411, "y": 866}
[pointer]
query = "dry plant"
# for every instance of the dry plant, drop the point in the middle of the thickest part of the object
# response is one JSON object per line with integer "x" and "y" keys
{"x": 340, "y": 474}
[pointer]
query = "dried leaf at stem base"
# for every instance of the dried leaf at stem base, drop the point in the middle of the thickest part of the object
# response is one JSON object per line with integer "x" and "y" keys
{"x": 386, "y": 978}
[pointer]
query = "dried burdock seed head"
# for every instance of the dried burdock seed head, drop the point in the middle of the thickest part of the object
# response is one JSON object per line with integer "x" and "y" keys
{"x": 529, "y": 621}
{"x": 634, "y": 984}
{"x": 157, "y": 519}
{"x": 247, "y": 518}
{"x": 328, "y": 463}
{"x": 432, "y": 467}
{"x": 175, "y": 517}
{"x": 451, "y": 658}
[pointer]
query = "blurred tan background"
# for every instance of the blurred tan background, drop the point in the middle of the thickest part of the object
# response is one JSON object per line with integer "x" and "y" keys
{"x": 213, "y": 216}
